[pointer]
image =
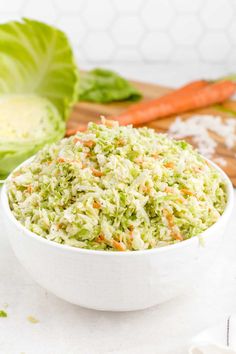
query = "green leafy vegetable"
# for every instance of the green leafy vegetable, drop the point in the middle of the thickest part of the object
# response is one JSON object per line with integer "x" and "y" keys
{"x": 38, "y": 86}
{"x": 3, "y": 313}
{"x": 37, "y": 58}
{"x": 27, "y": 123}
{"x": 100, "y": 85}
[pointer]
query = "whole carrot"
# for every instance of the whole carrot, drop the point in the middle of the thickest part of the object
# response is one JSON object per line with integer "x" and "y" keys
{"x": 186, "y": 89}
{"x": 178, "y": 93}
{"x": 199, "y": 98}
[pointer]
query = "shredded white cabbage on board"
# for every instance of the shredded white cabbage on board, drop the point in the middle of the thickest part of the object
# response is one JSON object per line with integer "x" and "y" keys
{"x": 200, "y": 127}
{"x": 117, "y": 188}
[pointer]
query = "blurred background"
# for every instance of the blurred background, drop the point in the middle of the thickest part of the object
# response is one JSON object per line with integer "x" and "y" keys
{"x": 162, "y": 41}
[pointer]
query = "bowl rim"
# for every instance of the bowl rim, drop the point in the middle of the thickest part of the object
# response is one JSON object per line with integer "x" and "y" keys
{"x": 185, "y": 243}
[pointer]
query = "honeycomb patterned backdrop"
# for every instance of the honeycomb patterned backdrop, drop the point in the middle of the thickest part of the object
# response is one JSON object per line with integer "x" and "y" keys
{"x": 139, "y": 31}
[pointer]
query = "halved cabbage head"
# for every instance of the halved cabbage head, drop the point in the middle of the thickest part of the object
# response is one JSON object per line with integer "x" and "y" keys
{"x": 27, "y": 123}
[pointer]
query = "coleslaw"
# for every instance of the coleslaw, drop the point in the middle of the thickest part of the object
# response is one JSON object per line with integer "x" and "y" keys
{"x": 117, "y": 188}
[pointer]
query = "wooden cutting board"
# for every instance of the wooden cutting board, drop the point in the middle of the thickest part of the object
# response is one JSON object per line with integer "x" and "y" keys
{"x": 85, "y": 112}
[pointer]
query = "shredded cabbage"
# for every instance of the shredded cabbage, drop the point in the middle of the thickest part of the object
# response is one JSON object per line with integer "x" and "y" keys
{"x": 117, "y": 188}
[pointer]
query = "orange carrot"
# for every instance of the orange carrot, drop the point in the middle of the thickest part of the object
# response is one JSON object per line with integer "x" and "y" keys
{"x": 197, "y": 94}
{"x": 169, "y": 218}
{"x": 97, "y": 173}
{"x": 181, "y": 92}
{"x": 100, "y": 238}
{"x": 176, "y": 235}
{"x": 29, "y": 189}
{"x": 178, "y": 103}
{"x": 186, "y": 191}
{"x": 169, "y": 164}
{"x": 88, "y": 143}
{"x": 80, "y": 127}
{"x": 120, "y": 246}
{"x": 189, "y": 88}
{"x": 96, "y": 205}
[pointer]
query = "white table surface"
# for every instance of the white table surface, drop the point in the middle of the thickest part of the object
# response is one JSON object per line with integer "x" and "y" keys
{"x": 67, "y": 329}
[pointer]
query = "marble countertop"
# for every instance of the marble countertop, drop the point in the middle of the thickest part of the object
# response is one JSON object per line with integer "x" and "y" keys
{"x": 67, "y": 329}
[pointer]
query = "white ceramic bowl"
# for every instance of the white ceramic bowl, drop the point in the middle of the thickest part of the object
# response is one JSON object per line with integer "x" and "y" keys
{"x": 116, "y": 281}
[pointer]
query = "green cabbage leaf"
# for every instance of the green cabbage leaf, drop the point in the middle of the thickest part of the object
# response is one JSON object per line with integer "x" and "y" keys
{"x": 37, "y": 58}
{"x": 38, "y": 87}
{"x": 104, "y": 86}
{"x": 27, "y": 123}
